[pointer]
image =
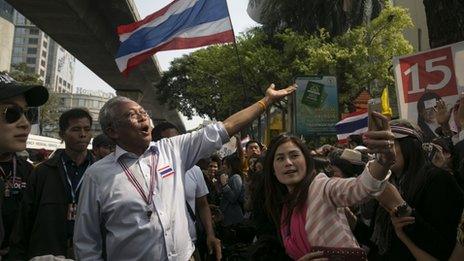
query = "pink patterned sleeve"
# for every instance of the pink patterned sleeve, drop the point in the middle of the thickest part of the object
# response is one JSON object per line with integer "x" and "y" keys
{"x": 347, "y": 192}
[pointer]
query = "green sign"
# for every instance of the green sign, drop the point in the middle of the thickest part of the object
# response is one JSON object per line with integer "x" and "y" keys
{"x": 316, "y": 105}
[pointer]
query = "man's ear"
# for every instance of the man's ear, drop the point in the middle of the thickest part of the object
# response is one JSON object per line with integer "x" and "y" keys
{"x": 112, "y": 133}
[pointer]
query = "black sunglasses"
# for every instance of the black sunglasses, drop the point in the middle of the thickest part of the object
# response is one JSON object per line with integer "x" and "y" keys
{"x": 14, "y": 113}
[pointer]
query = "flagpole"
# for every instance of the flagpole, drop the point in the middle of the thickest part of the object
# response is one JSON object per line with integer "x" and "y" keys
{"x": 242, "y": 78}
{"x": 239, "y": 61}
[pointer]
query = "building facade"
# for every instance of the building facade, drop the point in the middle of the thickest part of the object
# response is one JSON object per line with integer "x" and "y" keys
{"x": 60, "y": 69}
{"x": 418, "y": 35}
{"x": 93, "y": 101}
{"x": 42, "y": 55}
{"x": 30, "y": 46}
{"x": 6, "y": 35}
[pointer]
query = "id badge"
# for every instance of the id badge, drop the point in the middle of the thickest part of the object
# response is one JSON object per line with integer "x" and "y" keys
{"x": 72, "y": 209}
{"x": 7, "y": 192}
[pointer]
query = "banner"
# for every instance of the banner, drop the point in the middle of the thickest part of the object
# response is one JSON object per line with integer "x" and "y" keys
{"x": 316, "y": 105}
{"x": 425, "y": 77}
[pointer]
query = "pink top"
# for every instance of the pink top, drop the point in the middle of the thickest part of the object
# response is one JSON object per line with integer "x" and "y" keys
{"x": 324, "y": 222}
{"x": 294, "y": 235}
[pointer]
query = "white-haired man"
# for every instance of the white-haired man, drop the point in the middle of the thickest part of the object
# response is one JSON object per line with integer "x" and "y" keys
{"x": 132, "y": 203}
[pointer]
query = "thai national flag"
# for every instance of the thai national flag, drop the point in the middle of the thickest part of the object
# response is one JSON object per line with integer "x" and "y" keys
{"x": 165, "y": 171}
{"x": 179, "y": 25}
{"x": 354, "y": 123}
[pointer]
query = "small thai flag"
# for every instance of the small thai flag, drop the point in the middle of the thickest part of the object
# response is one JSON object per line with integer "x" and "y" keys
{"x": 245, "y": 140}
{"x": 181, "y": 24}
{"x": 354, "y": 123}
{"x": 166, "y": 171}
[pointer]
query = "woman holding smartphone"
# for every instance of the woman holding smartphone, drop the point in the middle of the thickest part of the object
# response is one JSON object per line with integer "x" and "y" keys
{"x": 434, "y": 195}
{"x": 307, "y": 206}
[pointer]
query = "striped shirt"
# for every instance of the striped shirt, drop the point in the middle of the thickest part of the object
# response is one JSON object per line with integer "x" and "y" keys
{"x": 326, "y": 223}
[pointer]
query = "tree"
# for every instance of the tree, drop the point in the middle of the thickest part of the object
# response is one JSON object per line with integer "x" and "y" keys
{"x": 445, "y": 21}
{"x": 309, "y": 16}
{"x": 209, "y": 81}
{"x": 361, "y": 58}
{"x": 47, "y": 114}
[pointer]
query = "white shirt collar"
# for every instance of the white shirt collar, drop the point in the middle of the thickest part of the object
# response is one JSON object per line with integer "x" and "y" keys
{"x": 118, "y": 152}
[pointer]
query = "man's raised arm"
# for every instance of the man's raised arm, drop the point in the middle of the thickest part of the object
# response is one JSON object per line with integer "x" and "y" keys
{"x": 241, "y": 119}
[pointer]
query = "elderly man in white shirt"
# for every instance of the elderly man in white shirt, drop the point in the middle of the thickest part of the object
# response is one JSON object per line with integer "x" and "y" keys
{"x": 132, "y": 202}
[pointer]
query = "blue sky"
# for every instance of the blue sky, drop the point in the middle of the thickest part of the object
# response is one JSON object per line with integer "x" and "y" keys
{"x": 84, "y": 78}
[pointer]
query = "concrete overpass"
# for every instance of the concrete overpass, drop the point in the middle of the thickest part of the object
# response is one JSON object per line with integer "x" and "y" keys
{"x": 87, "y": 29}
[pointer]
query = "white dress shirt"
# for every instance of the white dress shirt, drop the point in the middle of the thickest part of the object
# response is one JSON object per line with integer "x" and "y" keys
{"x": 111, "y": 211}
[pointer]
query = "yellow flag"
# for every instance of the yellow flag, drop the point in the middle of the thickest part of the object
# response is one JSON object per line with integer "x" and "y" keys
{"x": 386, "y": 109}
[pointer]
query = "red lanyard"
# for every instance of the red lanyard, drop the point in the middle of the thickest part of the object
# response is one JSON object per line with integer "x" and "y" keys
{"x": 147, "y": 198}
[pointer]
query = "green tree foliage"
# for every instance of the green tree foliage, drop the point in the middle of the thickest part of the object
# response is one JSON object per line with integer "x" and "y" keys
{"x": 22, "y": 73}
{"x": 361, "y": 58}
{"x": 209, "y": 80}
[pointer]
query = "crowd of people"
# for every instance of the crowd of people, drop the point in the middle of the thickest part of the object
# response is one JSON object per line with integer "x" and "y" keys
{"x": 153, "y": 193}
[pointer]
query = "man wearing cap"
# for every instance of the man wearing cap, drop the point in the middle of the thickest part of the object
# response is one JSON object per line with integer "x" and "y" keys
{"x": 102, "y": 145}
{"x": 15, "y": 99}
{"x": 50, "y": 201}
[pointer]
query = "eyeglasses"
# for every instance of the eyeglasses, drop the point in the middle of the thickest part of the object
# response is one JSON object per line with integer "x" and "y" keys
{"x": 14, "y": 113}
{"x": 134, "y": 115}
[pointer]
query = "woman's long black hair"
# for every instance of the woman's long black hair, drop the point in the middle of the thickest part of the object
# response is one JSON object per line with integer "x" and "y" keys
{"x": 277, "y": 194}
{"x": 415, "y": 168}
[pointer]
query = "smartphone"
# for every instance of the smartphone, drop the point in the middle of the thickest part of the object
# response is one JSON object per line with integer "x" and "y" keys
{"x": 374, "y": 123}
{"x": 428, "y": 104}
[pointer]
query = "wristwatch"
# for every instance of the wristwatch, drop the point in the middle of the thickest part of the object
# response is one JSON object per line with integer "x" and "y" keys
{"x": 403, "y": 210}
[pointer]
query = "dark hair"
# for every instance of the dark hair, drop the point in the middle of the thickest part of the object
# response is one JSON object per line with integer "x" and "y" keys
{"x": 356, "y": 139}
{"x": 251, "y": 142}
{"x": 277, "y": 194}
{"x": 75, "y": 113}
{"x": 415, "y": 165}
{"x": 447, "y": 145}
{"x": 253, "y": 162}
{"x": 322, "y": 164}
{"x": 216, "y": 159}
{"x": 160, "y": 127}
{"x": 102, "y": 140}
{"x": 349, "y": 170}
{"x": 203, "y": 163}
{"x": 234, "y": 163}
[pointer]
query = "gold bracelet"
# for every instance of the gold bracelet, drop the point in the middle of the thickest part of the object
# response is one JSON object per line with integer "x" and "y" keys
{"x": 263, "y": 105}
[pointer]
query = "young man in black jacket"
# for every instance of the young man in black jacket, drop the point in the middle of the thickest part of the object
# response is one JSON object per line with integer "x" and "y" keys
{"x": 15, "y": 98}
{"x": 48, "y": 209}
